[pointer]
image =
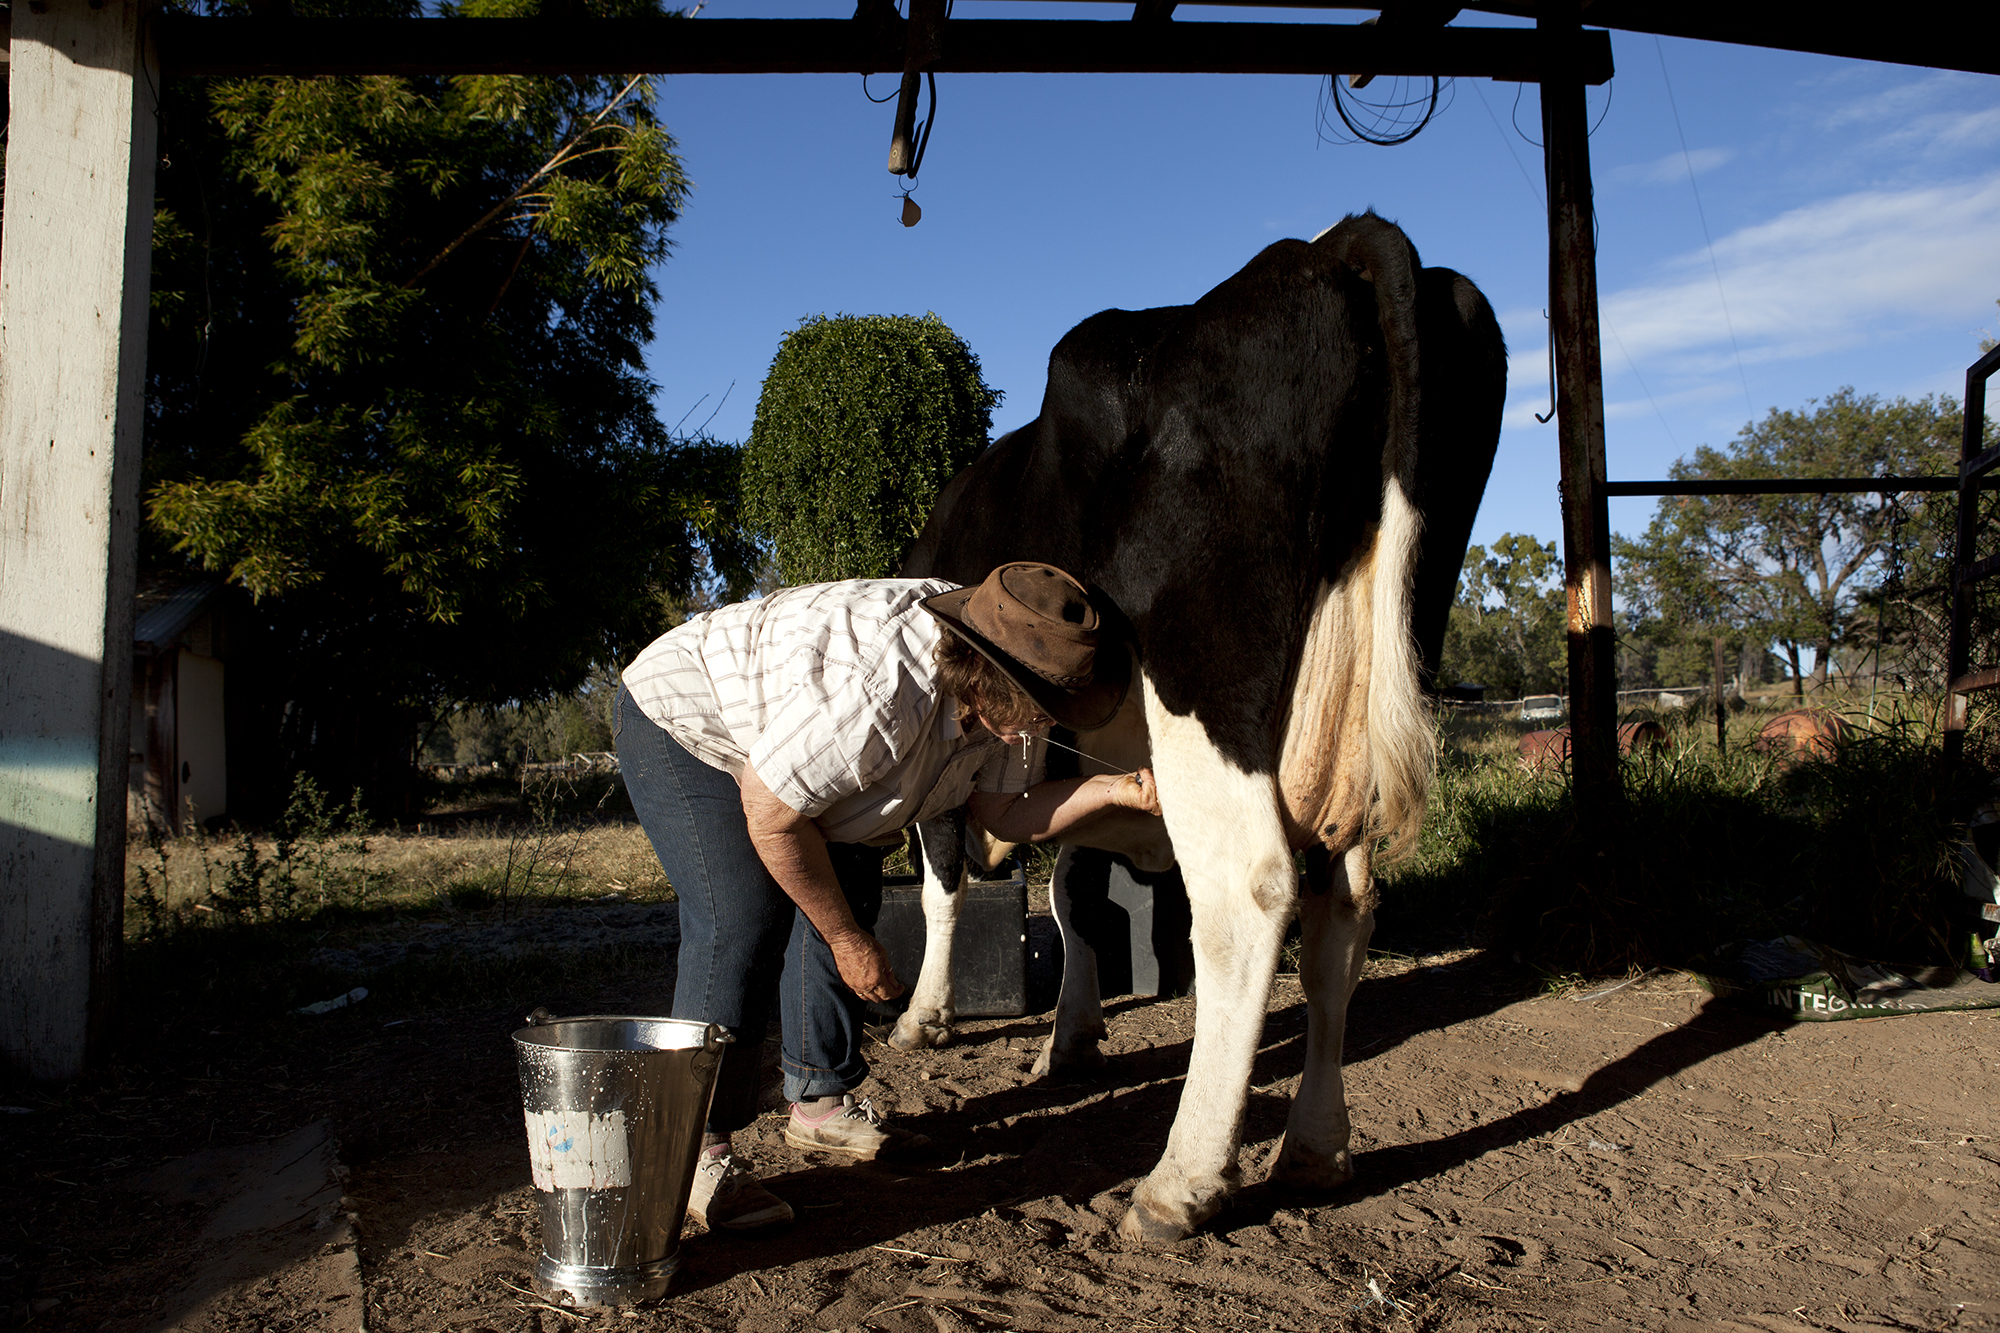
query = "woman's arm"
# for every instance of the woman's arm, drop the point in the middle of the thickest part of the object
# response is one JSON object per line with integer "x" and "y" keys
{"x": 1051, "y": 809}
{"x": 794, "y": 851}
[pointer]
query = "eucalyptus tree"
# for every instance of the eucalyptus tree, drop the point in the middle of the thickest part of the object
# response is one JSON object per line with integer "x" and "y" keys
{"x": 1795, "y": 570}
{"x": 1507, "y": 626}
{"x": 397, "y": 395}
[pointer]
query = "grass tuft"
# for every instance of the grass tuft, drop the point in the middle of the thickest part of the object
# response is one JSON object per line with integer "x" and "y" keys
{"x": 1709, "y": 845}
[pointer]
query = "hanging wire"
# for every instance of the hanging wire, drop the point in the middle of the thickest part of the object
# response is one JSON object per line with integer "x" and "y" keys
{"x": 1611, "y": 329}
{"x": 1398, "y": 115}
{"x": 1515, "y": 116}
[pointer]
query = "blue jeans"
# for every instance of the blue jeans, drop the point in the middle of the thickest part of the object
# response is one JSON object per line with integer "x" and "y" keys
{"x": 741, "y": 937}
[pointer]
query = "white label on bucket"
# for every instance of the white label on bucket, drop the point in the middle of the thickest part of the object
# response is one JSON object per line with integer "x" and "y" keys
{"x": 571, "y": 1150}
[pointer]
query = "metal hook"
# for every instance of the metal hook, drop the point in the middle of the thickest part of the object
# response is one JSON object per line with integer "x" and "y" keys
{"x": 1552, "y": 377}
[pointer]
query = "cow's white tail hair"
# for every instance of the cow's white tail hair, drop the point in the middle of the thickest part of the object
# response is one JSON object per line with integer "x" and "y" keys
{"x": 1402, "y": 744}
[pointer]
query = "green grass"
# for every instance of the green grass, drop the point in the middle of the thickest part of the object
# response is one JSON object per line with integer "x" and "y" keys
{"x": 1708, "y": 845}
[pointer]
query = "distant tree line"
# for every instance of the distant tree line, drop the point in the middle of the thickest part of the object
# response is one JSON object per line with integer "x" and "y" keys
{"x": 538, "y": 731}
{"x": 1851, "y": 582}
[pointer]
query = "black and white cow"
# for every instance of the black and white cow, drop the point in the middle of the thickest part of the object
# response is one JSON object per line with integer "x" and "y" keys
{"x": 1274, "y": 487}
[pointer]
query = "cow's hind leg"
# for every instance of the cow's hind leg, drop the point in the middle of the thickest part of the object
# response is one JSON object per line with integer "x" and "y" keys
{"x": 1336, "y": 916}
{"x": 1072, "y": 1044}
{"x": 927, "y": 1022}
{"x": 1241, "y": 888}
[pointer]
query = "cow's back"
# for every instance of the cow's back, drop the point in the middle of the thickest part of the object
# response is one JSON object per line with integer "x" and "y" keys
{"x": 1170, "y": 469}
{"x": 1210, "y": 466}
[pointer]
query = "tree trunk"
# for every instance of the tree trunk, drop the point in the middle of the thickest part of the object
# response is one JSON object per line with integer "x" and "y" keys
{"x": 1798, "y": 685}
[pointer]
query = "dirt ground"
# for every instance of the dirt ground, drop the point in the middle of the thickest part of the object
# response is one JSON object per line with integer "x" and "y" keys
{"x": 1643, "y": 1159}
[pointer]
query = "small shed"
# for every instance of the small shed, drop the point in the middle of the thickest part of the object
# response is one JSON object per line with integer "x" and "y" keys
{"x": 179, "y": 764}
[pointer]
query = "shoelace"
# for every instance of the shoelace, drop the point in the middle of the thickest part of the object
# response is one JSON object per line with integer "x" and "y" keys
{"x": 863, "y": 1110}
{"x": 722, "y": 1168}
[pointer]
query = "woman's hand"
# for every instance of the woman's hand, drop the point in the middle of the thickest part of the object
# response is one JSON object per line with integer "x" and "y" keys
{"x": 864, "y": 966}
{"x": 1051, "y": 809}
{"x": 794, "y": 851}
{"x": 1136, "y": 791}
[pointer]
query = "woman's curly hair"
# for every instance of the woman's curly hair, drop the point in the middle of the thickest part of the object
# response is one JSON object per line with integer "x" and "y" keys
{"x": 980, "y": 686}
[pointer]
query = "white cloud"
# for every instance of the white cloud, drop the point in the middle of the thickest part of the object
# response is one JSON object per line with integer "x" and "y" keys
{"x": 1838, "y": 273}
{"x": 1825, "y": 276}
{"x": 1886, "y": 108}
{"x": 1674, "y": 167}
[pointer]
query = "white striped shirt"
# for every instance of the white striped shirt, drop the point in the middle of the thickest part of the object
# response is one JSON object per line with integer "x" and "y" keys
{"x": 829, "y": 692}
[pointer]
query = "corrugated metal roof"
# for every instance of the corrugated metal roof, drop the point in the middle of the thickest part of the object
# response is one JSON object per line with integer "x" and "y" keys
{"x": 161, "y": 624}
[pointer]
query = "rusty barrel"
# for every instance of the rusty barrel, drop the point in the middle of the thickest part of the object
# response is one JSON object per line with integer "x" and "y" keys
{"x": 1803, "y": 733}
{"x": 614, "y": 1109}
{"x": 1550, "y": 749}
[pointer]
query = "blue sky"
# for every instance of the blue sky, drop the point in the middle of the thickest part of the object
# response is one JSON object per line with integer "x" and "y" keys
{"x": 1854, "y": 211}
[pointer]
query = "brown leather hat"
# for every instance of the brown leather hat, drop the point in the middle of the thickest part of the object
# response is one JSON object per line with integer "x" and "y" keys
{"x": 1038, "y": 625}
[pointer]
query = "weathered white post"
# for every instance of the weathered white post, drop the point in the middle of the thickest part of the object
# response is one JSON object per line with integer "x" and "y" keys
{"x": 74, "y": 270}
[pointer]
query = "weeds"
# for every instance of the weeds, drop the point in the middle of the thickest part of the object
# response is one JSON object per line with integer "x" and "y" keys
{"x": 545, "y": 846}
{"x": 318, "y": 858}
{"x": 1708, "y": 845}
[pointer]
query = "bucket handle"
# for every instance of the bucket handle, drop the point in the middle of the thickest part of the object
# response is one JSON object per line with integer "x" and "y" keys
{"x": 718, "y": 1035}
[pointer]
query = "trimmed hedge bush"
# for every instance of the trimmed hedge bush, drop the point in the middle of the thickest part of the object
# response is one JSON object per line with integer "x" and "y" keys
{"x": 862, "y": 421}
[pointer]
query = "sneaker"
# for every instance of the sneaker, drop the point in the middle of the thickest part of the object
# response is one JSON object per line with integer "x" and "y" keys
{"x": 726, "y": 1197}
{"x": 856, "y": 1129}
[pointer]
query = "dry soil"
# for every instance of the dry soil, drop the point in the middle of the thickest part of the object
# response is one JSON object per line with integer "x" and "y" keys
{"x": 1646, "y": 1159}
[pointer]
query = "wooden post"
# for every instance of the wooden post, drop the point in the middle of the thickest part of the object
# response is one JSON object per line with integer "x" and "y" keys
{"x": 1593, "y": 680}
{"x": 74, "y": 271}
{"x": 1721, "y": 713}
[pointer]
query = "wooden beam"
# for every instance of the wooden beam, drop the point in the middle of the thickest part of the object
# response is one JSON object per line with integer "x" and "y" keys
{"x": 1593, "y": 681}
{"x": 237, "y": 46}
{"x": 1932, "y": 36}
{"x": 74, "y": 269}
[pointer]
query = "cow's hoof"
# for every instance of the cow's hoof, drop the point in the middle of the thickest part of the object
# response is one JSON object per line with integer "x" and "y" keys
{"x": 913, "y": 1034}
{"x": 1141, "y": 1224}
{"x": 1310, "y": 1171}
{"x": 1080, "y": 1060}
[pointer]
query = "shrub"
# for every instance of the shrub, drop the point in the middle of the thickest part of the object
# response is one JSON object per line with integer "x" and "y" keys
{"x": 862, "y": 421}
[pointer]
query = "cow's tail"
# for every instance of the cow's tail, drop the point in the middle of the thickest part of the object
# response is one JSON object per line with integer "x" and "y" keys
{"x": 1402, "y": 744}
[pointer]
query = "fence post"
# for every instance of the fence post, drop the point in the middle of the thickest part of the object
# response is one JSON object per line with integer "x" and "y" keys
{"x": 1721, "y": 713}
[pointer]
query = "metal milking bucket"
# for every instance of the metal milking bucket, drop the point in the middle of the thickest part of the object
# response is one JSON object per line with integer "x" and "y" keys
{"x": 614, "y": 1109}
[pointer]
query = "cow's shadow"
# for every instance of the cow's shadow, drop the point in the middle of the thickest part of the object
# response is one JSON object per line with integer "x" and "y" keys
{"x": 1002, "y": 1148}
{"x": 1715, "y": 1028}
